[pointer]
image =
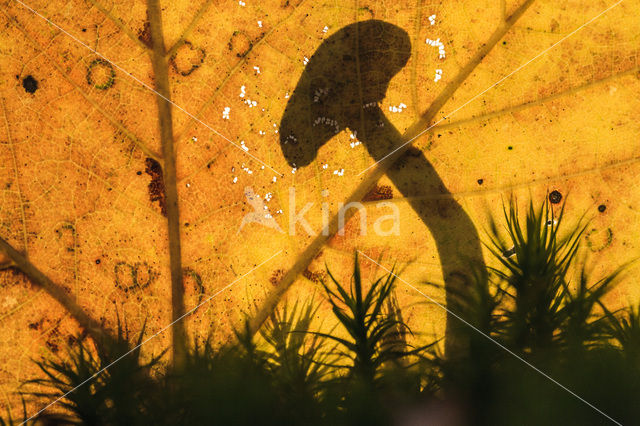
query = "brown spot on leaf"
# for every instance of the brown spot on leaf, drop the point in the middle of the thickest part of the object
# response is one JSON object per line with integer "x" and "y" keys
{"x": 36, "y": 325}
{"x": 276, "y": 277}
{"x": 30, "y": 84}
{"x": 53, "y": 346}
{"x": 379, "y": 192}
{"x": 156, "y": 186}
{"x": 555, "y": 197}
{"x": 144, "y": 34}
{"x": 316, "y": 277}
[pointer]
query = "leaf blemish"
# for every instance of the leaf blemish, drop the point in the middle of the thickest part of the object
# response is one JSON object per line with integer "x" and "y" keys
{"x": 144, "y": 34}
{"x": 555, "y": 197}
{"x": 30, "y": 84}
{"x": 156, "y": 186}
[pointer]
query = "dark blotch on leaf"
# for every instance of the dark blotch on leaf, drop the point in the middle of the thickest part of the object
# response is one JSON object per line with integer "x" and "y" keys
{"x": 276, "y": 277}
{"x": 602, "y": 208}
{"x": 144, "y": 34}
{"x": 30, "y": 84}
{"x": 156, "y": 186}
{"x": 480, "y": 181}
{"x": 379, "y": 192}
{"x": 315, "y": 277}
{"x": 555, "y": 197}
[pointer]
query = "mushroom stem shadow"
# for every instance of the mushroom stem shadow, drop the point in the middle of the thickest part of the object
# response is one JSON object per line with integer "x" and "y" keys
{"x": 457, "y": 240}
{"x": 342, "y": 85}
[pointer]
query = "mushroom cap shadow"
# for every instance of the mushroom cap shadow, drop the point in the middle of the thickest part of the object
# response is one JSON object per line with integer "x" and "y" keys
{"x": 349, "y": 72}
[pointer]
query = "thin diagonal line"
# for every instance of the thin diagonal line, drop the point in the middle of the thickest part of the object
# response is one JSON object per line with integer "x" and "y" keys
{"x": 166, "y": 327}
{"x": 494, "y": 84}
{"x": 431, "y": 299}
{"x": 145, "y": 85}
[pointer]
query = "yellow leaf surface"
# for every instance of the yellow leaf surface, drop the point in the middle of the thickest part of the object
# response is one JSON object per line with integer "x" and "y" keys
{"x": 552, "y": 105}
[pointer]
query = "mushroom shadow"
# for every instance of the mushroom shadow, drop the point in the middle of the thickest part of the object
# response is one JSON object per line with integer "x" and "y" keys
{"x": 341, "y": 88}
